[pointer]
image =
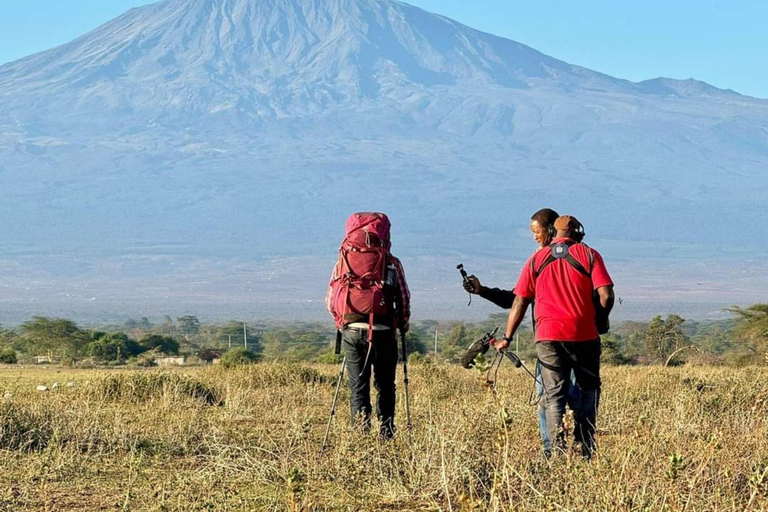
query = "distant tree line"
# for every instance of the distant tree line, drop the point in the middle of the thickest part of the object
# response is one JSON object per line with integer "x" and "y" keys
{"x": 742, "y": 339}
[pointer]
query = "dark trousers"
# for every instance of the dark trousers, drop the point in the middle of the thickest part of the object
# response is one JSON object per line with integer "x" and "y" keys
{"x": 382, "y": 362}
{"x": 557, "y": 360}
{"x": 573, "y": 402}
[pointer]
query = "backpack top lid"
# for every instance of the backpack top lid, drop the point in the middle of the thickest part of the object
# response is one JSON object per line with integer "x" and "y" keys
{"x": 372, "y": 222}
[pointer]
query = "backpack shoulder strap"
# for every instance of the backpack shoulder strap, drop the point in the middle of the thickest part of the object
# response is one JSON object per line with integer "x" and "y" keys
{"x": 547, "y": 262}
{"x": 557, "y": 252}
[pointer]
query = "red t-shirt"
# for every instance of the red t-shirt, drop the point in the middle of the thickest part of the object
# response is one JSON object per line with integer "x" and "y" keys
{"x": 564, "y": 308}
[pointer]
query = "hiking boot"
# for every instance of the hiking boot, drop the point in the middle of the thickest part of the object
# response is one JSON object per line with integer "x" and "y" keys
{"x": 387, "y": 430}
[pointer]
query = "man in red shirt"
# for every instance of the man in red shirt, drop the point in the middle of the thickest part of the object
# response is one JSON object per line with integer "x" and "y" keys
{"x": 563, "y": 280}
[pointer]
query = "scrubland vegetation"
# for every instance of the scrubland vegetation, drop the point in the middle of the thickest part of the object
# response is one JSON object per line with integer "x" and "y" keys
{"x": 249, "y": 437}
{"x": 740, "y": 340}
{"x": 683, "y": 423}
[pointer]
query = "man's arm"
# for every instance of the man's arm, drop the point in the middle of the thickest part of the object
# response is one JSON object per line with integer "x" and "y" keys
{"x": 607, "y": 299}
{"x": 516, "y": 315}
{"x": 502, "y": 298}
{"x": 329, "y": 295}
{"x": 404, "y": 298}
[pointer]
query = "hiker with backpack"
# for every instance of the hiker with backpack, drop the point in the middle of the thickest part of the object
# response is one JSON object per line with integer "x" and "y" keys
{"x": 564, "y": 281}
{"x": 369, "y": 300}
{"x": 542, "y": 227}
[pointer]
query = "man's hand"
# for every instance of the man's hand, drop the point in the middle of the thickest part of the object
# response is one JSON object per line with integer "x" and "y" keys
{"x": 501, "y": 345}
{"x": 516, "y": 314}
{"x": 472, "y": 285}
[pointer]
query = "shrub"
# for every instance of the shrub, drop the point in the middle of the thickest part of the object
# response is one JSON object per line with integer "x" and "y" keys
{"x": 145, "y": 360}
{"x": 209, "y": 354}
{"x": 329, "y": 358}
{"x": 273, "y": 375}
{"x": 164, "y": 344}
{"x": 8, "y": 356}
{"x": 238, "y": 356}
{"x": 22, "y": 428}
{"x": 141, "y": 387}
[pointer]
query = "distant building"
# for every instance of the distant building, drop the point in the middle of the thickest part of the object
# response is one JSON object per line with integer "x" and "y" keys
{"x": 171, "y": 361}
{"x": 46, "y": 359}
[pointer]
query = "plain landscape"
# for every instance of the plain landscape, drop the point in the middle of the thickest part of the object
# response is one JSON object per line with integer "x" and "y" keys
{"x": 175, "y": 184}
{"x": 208, "y": 439}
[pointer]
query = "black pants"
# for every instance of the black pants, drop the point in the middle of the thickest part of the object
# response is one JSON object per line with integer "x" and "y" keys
{"x": 382, "y": 362}
{"x": 557, "y": 360}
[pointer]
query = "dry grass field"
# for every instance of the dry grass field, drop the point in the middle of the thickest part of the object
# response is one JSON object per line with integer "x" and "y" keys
{"x": 249, "y": 439}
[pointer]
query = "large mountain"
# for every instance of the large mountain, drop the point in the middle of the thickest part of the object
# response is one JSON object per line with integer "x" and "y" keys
{"x": 208, "y": 135}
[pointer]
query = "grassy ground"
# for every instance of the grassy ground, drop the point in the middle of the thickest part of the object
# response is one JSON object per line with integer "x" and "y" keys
{"x": 249, "y": 439}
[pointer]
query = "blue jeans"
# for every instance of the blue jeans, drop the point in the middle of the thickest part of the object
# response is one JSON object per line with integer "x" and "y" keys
{"x": 573, "y": 402}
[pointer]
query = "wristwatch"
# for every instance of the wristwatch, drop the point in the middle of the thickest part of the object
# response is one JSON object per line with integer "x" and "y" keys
{"x": 508, "y": 340}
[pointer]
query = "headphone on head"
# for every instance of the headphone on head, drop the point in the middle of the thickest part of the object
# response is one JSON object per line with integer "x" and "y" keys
{"x": 577, "y": 232}
{"x": 552, "y": 231}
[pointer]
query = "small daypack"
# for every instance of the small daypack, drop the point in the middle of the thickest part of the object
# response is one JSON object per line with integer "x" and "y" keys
{"x": 358, "y": 287}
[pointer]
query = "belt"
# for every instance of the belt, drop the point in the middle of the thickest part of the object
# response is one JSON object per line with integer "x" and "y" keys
{"x": 362, "y": 326}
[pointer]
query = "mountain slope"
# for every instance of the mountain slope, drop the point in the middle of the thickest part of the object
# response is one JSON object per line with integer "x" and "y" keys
{"x": 271, "y": 58}
{"x": 235, "y": 131}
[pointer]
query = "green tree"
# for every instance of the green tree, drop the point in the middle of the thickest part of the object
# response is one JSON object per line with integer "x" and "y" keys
{"x": 238, "y": 356}
{"x": 164, "y": 344}
{"x": 113, "y": 347}
{"x": 188, "y": 325}
{"x": 752, "y": 329}
{"x": 455, "y": 343}
{"x": 663, "y": 337}
{"x": 415, "y": 342}
{"x": 9, "y": 339}
{"x": 8, "y": 356}
{"x": 233, "y": 330}
{"x": 209, "y": 354}
{"x": 54, "y": 336}
{"x": 611, "y": 350}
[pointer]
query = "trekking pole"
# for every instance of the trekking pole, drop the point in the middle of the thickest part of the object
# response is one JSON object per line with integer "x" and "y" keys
{"x": 405, "y": 381}
{"x": 333, "y": 406}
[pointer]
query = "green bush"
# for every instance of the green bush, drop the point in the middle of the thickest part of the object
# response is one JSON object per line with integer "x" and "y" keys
{"x": 237, "y": 357}
{"x": 164, "y": 344}
{"x": 329, "y": 358}
{"x": 114, "y": 347}
{"x": 8, "y": 356}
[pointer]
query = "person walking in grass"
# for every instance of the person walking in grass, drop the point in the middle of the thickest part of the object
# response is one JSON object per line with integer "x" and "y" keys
{"x": 369, "y": 300}
{"x": 542, "y": 227}
{"x": 564, "y": 280}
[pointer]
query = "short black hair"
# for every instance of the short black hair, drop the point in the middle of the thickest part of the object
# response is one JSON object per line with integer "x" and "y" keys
{"x": 545, "y": 217}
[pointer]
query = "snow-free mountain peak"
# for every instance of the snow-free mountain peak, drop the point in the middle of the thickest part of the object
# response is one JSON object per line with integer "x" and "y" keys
{"x": 272, "y": 58}
{"x": 209, "y": 145}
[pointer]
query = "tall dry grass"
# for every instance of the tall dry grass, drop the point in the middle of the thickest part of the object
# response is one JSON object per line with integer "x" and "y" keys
{"x": 249, "y": 439}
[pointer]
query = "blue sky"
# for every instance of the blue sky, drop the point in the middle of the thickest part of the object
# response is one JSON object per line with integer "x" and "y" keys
{"x": 721, "y": 42}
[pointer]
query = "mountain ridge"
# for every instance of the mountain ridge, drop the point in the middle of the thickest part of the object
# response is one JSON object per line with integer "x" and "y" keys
{"x": 244, "y": 130}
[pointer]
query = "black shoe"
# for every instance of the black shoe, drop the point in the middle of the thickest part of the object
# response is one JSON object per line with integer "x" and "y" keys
{"x": 387, "y": 430}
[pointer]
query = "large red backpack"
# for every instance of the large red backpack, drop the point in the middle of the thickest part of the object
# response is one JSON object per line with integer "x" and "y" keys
{"x": 358, "y": 284}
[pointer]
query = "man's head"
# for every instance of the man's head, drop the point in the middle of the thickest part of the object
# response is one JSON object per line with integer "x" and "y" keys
{"x": 542, "y": 226}
{"x": 568, "y": 226}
